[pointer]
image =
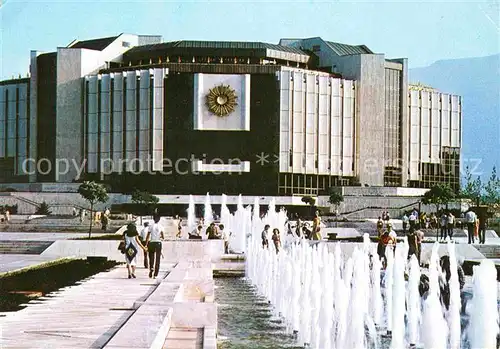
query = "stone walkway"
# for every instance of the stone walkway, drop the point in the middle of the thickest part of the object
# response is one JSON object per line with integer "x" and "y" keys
{"x": 45, "y": 236}
{"x": 86, "y": 315}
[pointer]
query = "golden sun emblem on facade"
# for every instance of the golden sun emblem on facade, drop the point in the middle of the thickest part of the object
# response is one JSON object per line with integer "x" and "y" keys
{"x": 221, "y": 100}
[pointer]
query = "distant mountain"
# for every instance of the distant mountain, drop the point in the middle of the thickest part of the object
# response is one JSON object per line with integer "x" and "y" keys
{"x": 477, "y": 80}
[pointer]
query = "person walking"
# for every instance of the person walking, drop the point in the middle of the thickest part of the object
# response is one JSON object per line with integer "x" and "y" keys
{"x": 104, "y": 222}
{"x": 385, "y": 240}
{"x": 153, "y": 240}
{"x": 412, "y": 244}
{"x": 470, "y": 219}
{"x": 298, "y": 226}
{"x": 482, "y": 229}
{"x": 451, "y": 224}
{"x": 405, "y": 220}
{"x": 476, "y": 230}
{"x": 316, "y": 235}
{"x": 276, "y": 239}
{"x": 224, "y": 236}
{"x": 132, "y": 245}
{"x": 444, "y": 227}
{"x": 179, "y": 229}
{"x": 380, "y": 226}
{"x": 143, "y": 236}
{"x": 264, "y": 235}
{"x": 413, "y": 219}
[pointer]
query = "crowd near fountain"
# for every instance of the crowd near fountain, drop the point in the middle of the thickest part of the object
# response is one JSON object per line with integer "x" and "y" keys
{"x": 328, "y": 300}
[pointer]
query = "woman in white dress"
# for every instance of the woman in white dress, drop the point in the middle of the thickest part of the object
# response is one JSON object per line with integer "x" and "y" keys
{"x": 132, "y": 245}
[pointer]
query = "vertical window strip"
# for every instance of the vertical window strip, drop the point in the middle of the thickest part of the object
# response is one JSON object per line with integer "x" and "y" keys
{"x": 151, "y": 119}
{"x": 99, "y": 117}
{"x": 124, "y": 122}
{"x": 16, "y": 154}
{"x": 137, "y": 121}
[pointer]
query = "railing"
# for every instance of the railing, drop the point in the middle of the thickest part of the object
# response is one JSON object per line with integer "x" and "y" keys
{"x": 379, "y": 208}
{"x": 37, "y": 205}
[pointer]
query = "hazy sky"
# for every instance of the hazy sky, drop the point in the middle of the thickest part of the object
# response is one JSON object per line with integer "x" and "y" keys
{"x": 423, "y": 31}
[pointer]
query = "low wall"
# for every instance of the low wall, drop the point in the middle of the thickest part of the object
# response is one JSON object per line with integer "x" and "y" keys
{"x": 172, "y": 251}
{"x": 463, "y": 251}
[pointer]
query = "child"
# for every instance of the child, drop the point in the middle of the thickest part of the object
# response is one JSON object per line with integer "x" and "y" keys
{"x": 265, "y": 242}
{"x": 276, "y": 239}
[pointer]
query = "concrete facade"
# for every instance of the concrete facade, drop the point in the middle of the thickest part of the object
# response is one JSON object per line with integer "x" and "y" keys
{"x": 343, "y": 115}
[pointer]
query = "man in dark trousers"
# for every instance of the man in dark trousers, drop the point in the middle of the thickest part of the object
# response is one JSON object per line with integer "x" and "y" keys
{"x": 482, "y": 228}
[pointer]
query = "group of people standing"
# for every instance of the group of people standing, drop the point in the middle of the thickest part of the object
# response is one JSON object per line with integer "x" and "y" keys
{"x": 388, "y": 239}
{"x": 213, "y": 232}
{"x": 301, "y": 230}
{"x": 149, "y": 241}
{"x": 476, "y": 227}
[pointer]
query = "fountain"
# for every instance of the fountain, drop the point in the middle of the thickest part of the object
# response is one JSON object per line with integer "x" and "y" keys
{"x": 483, "y": 309}
{"x": 434, "y": 329}
{"x": 328, "y": 300}
{"x": 208, "y": 215}
{"x": 413, "y": 301}
{"x": 453, "y": 317}
{"x": 191, "y": 215}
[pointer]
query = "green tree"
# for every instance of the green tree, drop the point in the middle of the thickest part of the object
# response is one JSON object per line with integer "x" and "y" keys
{"x": 93, "y": 193}
{"x": 43, "y": 209}
{"x": 145, "y": 198}
{"x": 335, "y": 198}
{"x": 440, "y": 194}
{"x": 473, "y": 188}
{"x": 492, "y": 191}
{"x": 308, "y": 200}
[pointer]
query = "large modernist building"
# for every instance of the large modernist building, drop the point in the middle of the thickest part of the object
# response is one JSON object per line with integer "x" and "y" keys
{"x": 184, "y": 117}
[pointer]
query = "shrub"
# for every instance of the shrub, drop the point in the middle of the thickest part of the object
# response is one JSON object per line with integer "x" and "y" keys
{"x": 11, "y": 208}
{"x": 43, "y": 209}
{"x": 7, "y": 190}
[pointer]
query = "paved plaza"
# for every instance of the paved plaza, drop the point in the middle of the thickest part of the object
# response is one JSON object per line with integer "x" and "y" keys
{"x": 108, "y": 310}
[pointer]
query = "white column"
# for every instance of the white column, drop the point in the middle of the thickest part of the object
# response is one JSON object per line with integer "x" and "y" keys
{"x": 336, "y": 126}
{"x": 144, "y": 117}
{"x": 285, "y": 127}
{"x": 435, "y": 128}
{"x": 92, "y": 124}
{"x": 311, "y": 117}
{"x": 298, "y": 123}
{"x": 105, "y": 137}
{"x": 158, "y": 105}
{"x": 348, "y": 128}
{"x": 324, "y": 126}
{"x": 22, "y": 151}
{"x": 117, "y": 136}
{"x": 425, "y": 126}
{"x": 414, "y": 105}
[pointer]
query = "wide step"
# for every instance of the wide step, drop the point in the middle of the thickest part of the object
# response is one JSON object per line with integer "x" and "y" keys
{"x": 184, "y": 338}
{"x": 24, "y": 247}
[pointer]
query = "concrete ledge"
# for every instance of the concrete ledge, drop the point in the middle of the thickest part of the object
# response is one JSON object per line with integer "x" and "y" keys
{"x": 147, "y": 328}
{"x": 210, "y": 337}
{"x": 173, "y": 251}
{"x": 194, "y": 315}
